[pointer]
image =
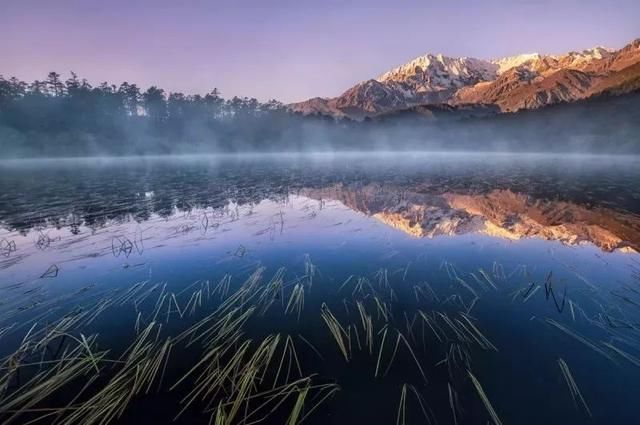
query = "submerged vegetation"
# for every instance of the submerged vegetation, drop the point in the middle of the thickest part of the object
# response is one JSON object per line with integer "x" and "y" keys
{"x": 227, "y": 352}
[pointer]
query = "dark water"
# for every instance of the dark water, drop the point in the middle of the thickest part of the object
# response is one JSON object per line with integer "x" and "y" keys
{"x": 521, "y": 272}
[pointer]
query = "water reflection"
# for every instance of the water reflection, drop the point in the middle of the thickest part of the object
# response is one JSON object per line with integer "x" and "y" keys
{"x": 572, "y": 201}
{"x": 427, "y": 212}
{"x": 410, "y": 255}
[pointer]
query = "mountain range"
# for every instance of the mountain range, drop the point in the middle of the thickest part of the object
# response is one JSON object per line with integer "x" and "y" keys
{"x": 478, "y": 86}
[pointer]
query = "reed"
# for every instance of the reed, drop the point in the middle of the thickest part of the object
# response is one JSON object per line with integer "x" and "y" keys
{"x": 631, "y": 358}
{"x": 498, "y": 271}
{"x": 310, "y": 345}
{"x": 143, "y": 365}
{"x": 290, "y": 354}
{"x": 466, "y": 286}
{"x": 573, "y": 387}
{"x": 310, "y": 269}
{"x": 485, "y": 399}
{"x": 74, "y": 363}
{"x": 367, "y": 326}
{"x": 222, "y": 288}
{"x": 453, "y": 403}
{"x": 476, "y": 334}
{"x": 432, "y": 324}
{"x": 413, "y": 355}
{"x": 272, "y": 291}
{"x": 51, "y": 272}
{"x": 296, "y": 412}
{"x": 488, "y": 279}
{"x": 401, "y": 417}
{"x": 296, "y": 300}
{"x": 530, "y": 293}
{"x": 424, "y": 408}
{"x": 382, "y": 309}
{"x": 579, "y": 338}
{"x": 384, "y": 338}
{"x": 337, "y": 331}
{"x": 345, "y": 283}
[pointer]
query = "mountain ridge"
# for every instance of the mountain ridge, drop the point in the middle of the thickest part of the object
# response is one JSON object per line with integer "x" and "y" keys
{"x": 527, "y": 81}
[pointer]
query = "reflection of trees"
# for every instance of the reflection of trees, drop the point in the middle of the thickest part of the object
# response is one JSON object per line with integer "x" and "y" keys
{"x": 94, "y": 196}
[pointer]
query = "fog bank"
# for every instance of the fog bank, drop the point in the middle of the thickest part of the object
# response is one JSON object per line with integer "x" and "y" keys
{"x": 73, "y": 119}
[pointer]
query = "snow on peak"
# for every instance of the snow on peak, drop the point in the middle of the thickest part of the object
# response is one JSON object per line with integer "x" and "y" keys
{"x": 537, "y": 61}
{"x": 578, "y": 58}
{"x": 597, "y": 52}
{"x": 505, "y": 64}
{"x": 439, "y": 72}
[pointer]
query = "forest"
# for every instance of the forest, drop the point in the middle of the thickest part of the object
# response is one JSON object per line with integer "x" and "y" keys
{"x": 57, "y": 117}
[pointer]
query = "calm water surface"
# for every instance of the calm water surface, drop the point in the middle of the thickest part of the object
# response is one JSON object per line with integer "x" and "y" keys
{"x": 391, "y": 289}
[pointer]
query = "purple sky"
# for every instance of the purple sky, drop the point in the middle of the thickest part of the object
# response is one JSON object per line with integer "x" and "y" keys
{"x": 287, "y": 49}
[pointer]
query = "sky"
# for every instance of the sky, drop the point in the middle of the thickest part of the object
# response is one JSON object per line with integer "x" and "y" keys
{"x": 290, "y": 50}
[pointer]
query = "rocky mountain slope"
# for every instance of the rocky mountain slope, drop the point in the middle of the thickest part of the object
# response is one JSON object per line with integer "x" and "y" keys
{"x": 509, "y": 84}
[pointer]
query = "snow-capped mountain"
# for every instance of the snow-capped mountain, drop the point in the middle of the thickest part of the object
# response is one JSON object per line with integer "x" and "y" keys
{"x": 518, "y": 82}
{"x": 431, "y": 73}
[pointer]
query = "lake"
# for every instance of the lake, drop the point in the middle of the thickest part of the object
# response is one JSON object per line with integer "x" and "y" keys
{"x": 323, "y": 289}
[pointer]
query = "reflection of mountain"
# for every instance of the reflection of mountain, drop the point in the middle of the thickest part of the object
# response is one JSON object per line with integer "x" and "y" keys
{"x": 499, "y": 213}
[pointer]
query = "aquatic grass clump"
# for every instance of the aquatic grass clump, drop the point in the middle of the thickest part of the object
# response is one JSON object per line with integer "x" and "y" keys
{"x": 549, "y": 292}
{"x": 401, "y": 416}
{"x": 296, "y": 412}
{"x": 121, "y": 245}
{"x": 296, "y": 300}
{"x": 222, "y": 288}
{"x": 460, "y": 328}
{"x": 399, "y": 338}
{"x": 367, "y": 326}
{"x": 487, "y": 279}
{"x": 289, "y": 354}
{"x": 229, "y": 376}
{"x": 51, "y": 272}
{"x": 475, "y": 333}
{"x": 310, "y": 269}
{"x": 338, "y": 332}
{"x": 7, "y": 247}
{"x": 43, "y": 242}
{"x": 73, "y": 365}
{"x": 143, "y": 364}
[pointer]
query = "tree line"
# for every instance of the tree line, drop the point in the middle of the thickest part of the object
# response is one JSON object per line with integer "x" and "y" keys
{"x": 71, "y": 117}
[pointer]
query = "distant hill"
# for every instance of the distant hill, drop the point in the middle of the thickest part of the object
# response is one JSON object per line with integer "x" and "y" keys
{"x": 604, "y": 122}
